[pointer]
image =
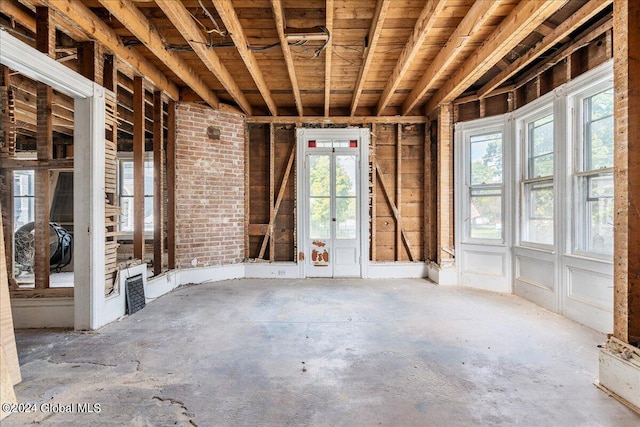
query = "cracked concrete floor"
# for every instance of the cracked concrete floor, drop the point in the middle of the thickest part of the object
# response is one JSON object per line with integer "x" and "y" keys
{"x": 322, "y": 353}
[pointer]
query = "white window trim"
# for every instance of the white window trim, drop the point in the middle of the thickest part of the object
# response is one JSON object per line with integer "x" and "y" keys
{"x": 128, "y": 156}
{"x": 464, "y": 132}
{"x": 597, "y": 81}
{"x": 534, "y": 111}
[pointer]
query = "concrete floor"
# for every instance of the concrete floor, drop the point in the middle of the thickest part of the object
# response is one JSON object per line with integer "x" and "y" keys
{"x": 322, "y": 353}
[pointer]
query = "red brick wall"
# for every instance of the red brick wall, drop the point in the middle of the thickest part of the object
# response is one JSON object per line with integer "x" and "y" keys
{"x": 209, "y": 187}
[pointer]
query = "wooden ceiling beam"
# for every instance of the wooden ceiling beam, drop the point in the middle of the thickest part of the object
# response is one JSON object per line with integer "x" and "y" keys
{"x": 230, "y": 19}
{"x": 328, "y": 52}
{"x": 184, "y": 23}
{"x": 466, "y": 32}
{"x": 278, "y": 16}
{"x": 382, "y": 6}
{"x": 75, "y": 11}
{"x": 131, "y": 17}
{"x": 17, "y": 12}
{"x": 349, "y": 120}
{"x": 428, "y": 17}
{"x": 522, "y": 20}
{"x": 577, "y": 19}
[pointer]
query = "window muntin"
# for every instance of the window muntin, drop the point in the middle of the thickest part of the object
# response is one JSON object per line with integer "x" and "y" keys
{"x": 594, "y": 176}
{"x": 486, "y": 191}
{"x": 538, "y": 191}
{"x": 23, "y": 198}
{"x": 126, "y": 191}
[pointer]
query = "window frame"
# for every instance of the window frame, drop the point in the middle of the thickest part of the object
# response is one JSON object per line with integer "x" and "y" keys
{"x": 581, "y": 176}
{"x": 127, "y": 157}
{"x": 497, "y": 188}
{"x": 528, "y": 181}
{"x": 31, "y": 198}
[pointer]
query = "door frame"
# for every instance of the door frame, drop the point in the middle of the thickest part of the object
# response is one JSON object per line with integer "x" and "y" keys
{"x": 302, "y": 136}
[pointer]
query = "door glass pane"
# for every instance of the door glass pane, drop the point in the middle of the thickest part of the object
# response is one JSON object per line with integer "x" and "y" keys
{"x": 346, "y": 218}
{"x": 319, "y": 220}
{"x": 319, "y": 176}
{"x": 346, "y": 176}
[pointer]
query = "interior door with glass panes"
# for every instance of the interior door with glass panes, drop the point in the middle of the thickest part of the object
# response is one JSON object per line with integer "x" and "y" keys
{"x": 332, "y": 208}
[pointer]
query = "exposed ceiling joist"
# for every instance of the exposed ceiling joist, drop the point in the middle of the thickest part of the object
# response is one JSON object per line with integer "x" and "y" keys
{"x": 79, "y": 14}
{"x": 184, "y": 23}
{"x": 349, "y": 120}
{"x": 230, "y": 19}
{"x": 15, "y": 11}
{"x": 382, "y": 6}
{"x": 328, "y": 52}
{"x": 278, "y": 15}
{"x": 129, "y": 15}
{"x": 465, "y": 33}
{"x": 573, "y": 22}
{"x": 428, "y": 17}
{"x": 522, "y": 20}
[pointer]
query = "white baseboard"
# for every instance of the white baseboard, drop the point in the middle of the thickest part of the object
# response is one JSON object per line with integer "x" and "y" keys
{"x": 397, "y": 270}
{"x": 210, "y": 274}
{"x": 42, "y": 312}
{"x": 445, "y": 276}
{"x": 620, "y": 377}
{"x": 275, "y": 270}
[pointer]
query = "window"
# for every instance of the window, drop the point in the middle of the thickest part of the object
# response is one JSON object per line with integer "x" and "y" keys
{"x": 126, "y": 189}
{"x": 537, "y": 184}
{"x": 23, "y": 198}
{"x": 594, "y": 175}
{"x": 485, "y": 189}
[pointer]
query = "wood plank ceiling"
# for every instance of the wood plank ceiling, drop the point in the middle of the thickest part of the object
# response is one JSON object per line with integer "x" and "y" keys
{"x": 321, "y": 57}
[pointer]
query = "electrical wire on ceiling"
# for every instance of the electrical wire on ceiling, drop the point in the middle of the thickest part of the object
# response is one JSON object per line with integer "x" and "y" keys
{"x": 213, "y": 21}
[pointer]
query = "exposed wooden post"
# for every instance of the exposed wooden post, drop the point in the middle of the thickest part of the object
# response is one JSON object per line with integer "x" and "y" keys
{"x": 138, "y": 167}
{"x": 426, "y": 173}
{"x": 626, "y": 259}
{"x": 399, "y": 191}
{"x": 45, "y": 43}
{"x": 445, "y": 185}
{"x": 272, "y": 185}
{"x": 89, "y": 62}
{"x": 171, "y": 184}
{"x": 6, "y": 198}
{"x": 158, "y": 181}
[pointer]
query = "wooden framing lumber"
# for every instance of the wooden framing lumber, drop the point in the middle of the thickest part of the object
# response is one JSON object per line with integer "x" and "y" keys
{"x": 228, "y": 15}
{"x": 626, "y": 252}
{"x": 138, "y": 168}
{"x": 80, "y": 15}
{"x": 182, "y": 20}
{"x": 522, "y": 20}
{"x": 127, "y": 13}
{"x": 399, "y": 191}
{"x": 45, "y": 43}
{"x": 426, "y": 21}
{"x": 382, "y": 6}
{"x": 158, "y": 182}
{"x": 171, "y": 184}
{"x": 395, "y": 211}
{"x": 276, "y": 207}
{"x": 466, "y": 32}
{"x": 445, "y": 185}
{"x": 577, "y": 19}
{"x": 328, "y": 52}
{"x": 278, "y": 16}
{"x": 349, "y": 120}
